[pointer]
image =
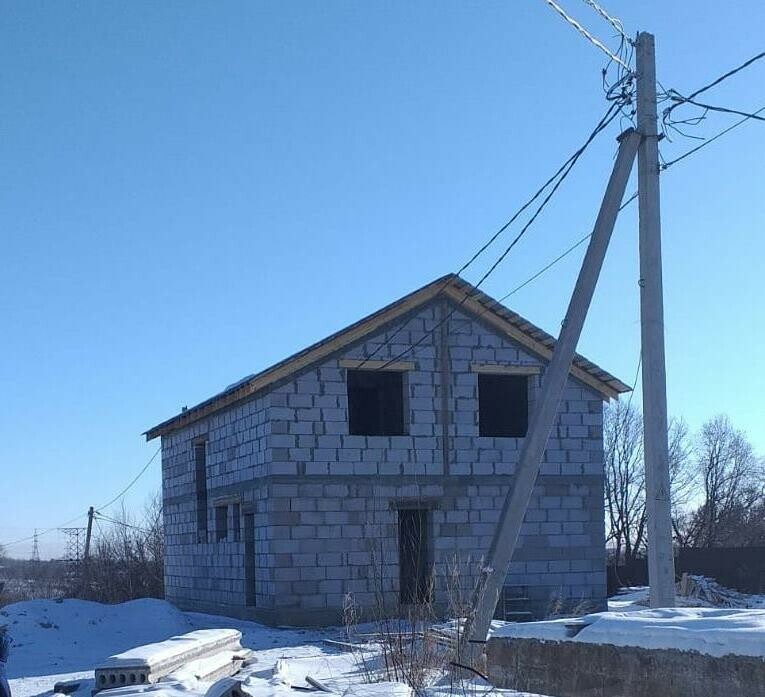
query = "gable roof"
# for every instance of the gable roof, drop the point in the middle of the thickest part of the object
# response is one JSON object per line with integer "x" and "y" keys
{"x": 470, "y": 299}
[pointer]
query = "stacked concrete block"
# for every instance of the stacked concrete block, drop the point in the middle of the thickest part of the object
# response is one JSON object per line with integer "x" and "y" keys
{"x": 325, "y": 501}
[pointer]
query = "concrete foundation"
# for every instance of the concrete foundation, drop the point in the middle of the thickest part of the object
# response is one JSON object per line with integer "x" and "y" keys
{"x": 578, "y": 669}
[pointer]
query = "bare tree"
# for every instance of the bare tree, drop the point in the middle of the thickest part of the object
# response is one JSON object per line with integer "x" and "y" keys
{"x": 127, "y": 559}
{"x": 726, "y": 472}
{"x": 624, "y": 479}
{"x": 681, "y": 475}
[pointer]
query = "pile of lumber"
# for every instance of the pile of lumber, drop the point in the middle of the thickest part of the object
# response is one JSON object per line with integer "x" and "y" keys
{"x": 706, "y": 592}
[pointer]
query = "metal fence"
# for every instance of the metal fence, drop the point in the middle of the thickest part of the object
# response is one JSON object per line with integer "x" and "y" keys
{"x": 740, "y": 568}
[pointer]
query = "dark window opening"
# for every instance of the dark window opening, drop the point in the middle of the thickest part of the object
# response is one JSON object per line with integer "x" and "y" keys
{"x": 249, "y": 560}
{"x": 236, "y": 522}
{"x": 415, "y": 579}
{"x": 221, "y": 523}
{"x": 200, "y": 478}
{"x": 375, "y": 403}
{"x": 503, "y": 405}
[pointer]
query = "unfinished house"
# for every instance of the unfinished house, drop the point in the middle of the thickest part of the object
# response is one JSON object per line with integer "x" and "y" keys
{"x": 374, "y": 460}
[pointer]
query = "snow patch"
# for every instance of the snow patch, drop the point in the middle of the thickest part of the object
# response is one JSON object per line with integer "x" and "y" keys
{"x": 83, "y": 633}
{"x": 712, "y": 631}
{"x": 150, "y": 655}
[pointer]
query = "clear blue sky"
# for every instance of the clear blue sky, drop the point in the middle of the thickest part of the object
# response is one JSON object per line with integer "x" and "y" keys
{"x": 191, "y": 191}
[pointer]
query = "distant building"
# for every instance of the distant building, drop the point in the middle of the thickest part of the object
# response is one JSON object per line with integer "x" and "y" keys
{"x": 359, "y": 465}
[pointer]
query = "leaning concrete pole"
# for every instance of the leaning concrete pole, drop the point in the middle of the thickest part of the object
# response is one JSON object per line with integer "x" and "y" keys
{"x": 543, "y": 417}
{"x": 661, "y": 564}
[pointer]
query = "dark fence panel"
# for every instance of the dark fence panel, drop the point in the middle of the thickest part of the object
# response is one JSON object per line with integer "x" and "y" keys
{"x": 633, "y": 574}
{"x": 741, "y": 568}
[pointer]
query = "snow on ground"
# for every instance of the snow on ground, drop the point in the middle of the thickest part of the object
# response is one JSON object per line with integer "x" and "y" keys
{"x": 713, "y": 631}
{"x": 629, "y": 599}
{"x": 150, "y": 655}
{"x": 65, "y": 640}
{"x": 636, "y": 598}
{"x": 61, "y": 640}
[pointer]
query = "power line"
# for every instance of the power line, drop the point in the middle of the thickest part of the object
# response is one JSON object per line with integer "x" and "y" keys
{"x": 604, "y": 122}
{"x": 712, "y": 107}
{"x": 611, "y": 113}
{"x": 666, "y": 165}
{"x": 38, "y": 533}
{"x": 101, "y": 516}
{"x": 680, "y": 99}
{"x": 570, "y": 20}
{"x": 133, "y": 481}
{"x": 574, "y": 246}
{"x": 559, "y": 174}
{"x": 722, "y": 77}
{"x": 83, "y": 515}
{"x": 634, "y": 382}
{"x": 562, "y": 256}
{"x": 613, "y": 21}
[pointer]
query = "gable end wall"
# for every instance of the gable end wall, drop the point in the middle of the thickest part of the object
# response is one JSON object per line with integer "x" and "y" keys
{"x": 325, "y": 500}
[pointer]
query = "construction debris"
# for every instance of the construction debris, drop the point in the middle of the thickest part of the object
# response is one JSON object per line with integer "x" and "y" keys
{"x": 206, "y": 654}
{"x": 706, "y": 592}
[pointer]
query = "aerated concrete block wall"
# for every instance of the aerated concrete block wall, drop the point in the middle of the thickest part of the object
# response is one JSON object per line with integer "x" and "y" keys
{"x": 325, "y": 502}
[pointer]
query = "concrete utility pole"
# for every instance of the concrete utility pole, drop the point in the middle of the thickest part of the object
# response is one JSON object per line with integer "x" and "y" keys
{"x": 86, "y": 555}
{"x": 661, "y": 563}
{"x": 487, "y": 589}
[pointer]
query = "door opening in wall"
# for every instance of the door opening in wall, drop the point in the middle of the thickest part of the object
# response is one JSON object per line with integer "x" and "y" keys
{"x": 414, "y": 545}
{"x": 221, "y": 523}
{"x": 249, "y": 559}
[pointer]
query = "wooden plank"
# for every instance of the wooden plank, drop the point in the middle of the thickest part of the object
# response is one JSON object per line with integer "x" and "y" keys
{"x": 504, "y": 369}
{"x": 226, "y": 500}
{"x": 400, "y": 366}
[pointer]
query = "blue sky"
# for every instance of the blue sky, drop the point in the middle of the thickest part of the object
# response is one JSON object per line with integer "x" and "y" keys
{"x": 191, "y": 191}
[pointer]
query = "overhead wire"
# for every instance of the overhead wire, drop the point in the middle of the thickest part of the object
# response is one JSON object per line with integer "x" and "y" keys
{"x": 132, "y": 481}
{"x": 554, "y": 180}
{"x": 114, "y": 521}
{"x": 665, "y": 165}
{"x": 611, "y": 113}
{"x": 45, "y": 531}
{"x": 562, "y": 256}
{"x": 678, "y": 99}
{"x": 604, "y": 122}
{"x": 619, "y": 94}
{"x": 708, "y": 141}
{"x": 613, "y": 21}
{"x": 84, "y": 515}
{"x": 586, "y": 34}
{"x": 721, "y": 109}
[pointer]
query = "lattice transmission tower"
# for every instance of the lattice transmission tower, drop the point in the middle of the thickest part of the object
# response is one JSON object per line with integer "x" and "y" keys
{"x": 75, "y": 538}
{"x": 35, "y": 548}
